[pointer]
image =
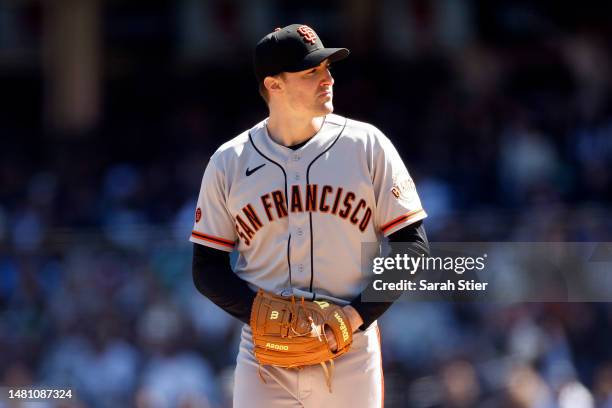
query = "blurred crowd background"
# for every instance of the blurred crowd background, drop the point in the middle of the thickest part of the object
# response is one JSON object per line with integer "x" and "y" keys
{"x": 502, "y": 111}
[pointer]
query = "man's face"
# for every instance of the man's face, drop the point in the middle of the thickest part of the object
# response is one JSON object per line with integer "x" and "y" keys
{"x": 309, "y": 92}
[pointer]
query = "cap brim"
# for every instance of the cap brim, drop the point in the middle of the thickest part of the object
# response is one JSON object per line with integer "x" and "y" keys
{"x": 316, "y": 57}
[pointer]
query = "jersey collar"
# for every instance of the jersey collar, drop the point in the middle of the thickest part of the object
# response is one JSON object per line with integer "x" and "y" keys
{"x": 329, "y": 132}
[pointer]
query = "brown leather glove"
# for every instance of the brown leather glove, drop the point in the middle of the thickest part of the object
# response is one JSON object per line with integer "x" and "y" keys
{"x": 290, "y": 332}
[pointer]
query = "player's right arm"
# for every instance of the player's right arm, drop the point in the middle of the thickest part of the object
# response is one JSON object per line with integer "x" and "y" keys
{"x": 214, "y": 225}
{"x": 214, "y": 236}
{"x": 214, "y": 278}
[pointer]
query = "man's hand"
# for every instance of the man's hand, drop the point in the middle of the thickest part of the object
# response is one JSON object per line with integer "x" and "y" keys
{"x": 354, "y": 319}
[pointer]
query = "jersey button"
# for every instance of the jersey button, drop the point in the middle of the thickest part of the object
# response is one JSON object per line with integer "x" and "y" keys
{"x": 300, "y": 232}
{"x": 297, "y": 177}
{"x": 296, "y": 157}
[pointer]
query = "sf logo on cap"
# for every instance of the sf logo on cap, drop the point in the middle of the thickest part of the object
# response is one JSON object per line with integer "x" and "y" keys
{"x": 308, "y": 33}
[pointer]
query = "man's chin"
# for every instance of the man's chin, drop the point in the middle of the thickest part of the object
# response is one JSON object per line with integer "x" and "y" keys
{"x": 323, "y": 109}
{"x": 328, "y": 107}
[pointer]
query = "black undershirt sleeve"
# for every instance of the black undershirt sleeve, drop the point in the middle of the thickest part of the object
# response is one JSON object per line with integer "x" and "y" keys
{"x": 413, "y": 234}
{"x": 214, "y": 278}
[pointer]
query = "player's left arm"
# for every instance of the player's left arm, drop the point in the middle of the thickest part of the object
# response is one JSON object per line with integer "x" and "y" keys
{"x": 398, "y": 215}
{"x": 414, "y": 243}
{"x": 362, "y": 314}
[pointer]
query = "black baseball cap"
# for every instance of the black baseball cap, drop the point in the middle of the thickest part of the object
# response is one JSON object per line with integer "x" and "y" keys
{"x": 291, "y": 49}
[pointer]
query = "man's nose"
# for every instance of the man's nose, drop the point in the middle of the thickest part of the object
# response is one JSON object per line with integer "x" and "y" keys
{"x": 329, "y": 79}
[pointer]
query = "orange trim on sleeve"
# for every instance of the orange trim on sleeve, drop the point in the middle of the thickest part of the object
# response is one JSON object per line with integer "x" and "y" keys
{"x": 214, "y": 240}
{"x": 401, "y": 219}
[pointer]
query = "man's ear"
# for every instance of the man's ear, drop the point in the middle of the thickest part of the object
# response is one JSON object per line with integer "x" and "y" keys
{"x": 272, "y": 84}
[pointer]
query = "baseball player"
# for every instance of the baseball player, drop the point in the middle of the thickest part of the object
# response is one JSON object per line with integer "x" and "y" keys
{"x": 295, "y": 196}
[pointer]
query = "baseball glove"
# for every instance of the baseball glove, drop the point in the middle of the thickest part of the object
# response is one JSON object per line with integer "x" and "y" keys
{"x": 290, "y": 332}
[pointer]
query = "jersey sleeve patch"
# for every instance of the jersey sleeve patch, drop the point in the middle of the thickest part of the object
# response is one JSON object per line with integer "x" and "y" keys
{"x": 403, "y": 188}
{"x": 405, "y": 219}
{"x": 212, "y": 241}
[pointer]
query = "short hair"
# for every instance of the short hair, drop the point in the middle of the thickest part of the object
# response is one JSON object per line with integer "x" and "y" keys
{"x": 263, "y": 91}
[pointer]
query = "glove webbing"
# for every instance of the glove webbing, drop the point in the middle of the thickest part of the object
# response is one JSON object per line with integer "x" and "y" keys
{"x": 328, "y": 372}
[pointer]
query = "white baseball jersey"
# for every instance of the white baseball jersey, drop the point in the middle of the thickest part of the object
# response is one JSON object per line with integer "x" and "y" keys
{"x": 297, "y": 218}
